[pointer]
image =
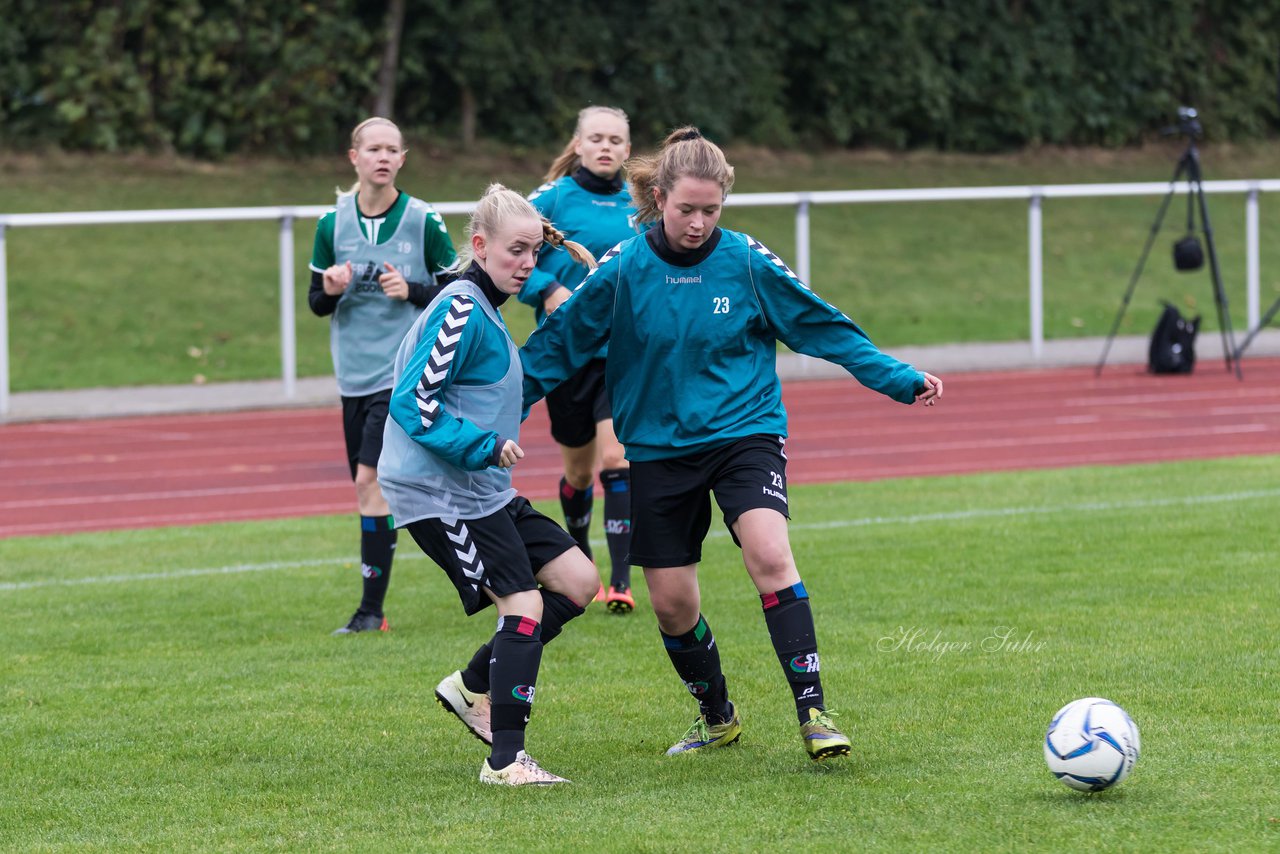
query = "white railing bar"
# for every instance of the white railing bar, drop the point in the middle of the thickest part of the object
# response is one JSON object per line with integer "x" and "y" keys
{"x": 191, "y": 215}
{"x": 823, "y": 197}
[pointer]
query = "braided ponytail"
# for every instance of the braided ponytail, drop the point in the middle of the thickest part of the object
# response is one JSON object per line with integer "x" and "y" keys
{"x": 579, "y": 253}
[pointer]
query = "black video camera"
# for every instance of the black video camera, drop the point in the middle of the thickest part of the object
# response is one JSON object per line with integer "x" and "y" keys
{"x": 1188, "y": 124}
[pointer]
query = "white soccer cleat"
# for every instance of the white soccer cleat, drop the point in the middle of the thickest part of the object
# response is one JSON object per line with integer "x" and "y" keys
{"x": 523, "y": 772}
{"x": 470, "y": 708}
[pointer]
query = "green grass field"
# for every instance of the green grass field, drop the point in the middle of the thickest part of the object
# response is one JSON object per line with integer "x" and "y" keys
{"x": 177, "y": 689}
{"x": 130, "y": 305}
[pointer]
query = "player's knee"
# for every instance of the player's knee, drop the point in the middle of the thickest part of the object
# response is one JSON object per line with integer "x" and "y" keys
{"x": 675, "y": 614}
{"x": 613, "y": 457}
{"x": 579, "y": 474}
{"x": 584, "y": 581}
{"x": 772, "y": 566}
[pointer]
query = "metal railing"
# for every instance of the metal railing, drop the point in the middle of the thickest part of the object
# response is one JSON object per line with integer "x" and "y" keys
{"x": 1033, "y": 195}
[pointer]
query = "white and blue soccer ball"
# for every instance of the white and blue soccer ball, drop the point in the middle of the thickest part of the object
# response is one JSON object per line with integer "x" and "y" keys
{"x": 1091, "y": 744}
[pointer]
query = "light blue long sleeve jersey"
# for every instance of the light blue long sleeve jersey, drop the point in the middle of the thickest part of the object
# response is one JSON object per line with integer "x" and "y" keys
{"x": 692, "y": 348}
{"x": 599, "y": 221}
{"x": 456, "y": 400}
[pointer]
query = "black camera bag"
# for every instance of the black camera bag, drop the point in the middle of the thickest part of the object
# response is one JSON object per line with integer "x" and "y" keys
{"x": 1173, "y": 343}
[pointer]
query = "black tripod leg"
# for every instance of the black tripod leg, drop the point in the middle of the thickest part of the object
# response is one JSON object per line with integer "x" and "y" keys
{"x": 1219, "y": 293}
{"x": 1142, "y": 261}
{"x": 1262, "y": 324}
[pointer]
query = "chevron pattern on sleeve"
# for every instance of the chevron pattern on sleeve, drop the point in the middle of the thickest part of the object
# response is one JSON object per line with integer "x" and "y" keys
{"x": 437, "y": 367}
{"x": 612, "y": 253}
{"x": 775, "y": 261}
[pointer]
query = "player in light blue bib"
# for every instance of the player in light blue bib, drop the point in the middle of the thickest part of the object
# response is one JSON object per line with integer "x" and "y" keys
{"x": 451, "y": 440}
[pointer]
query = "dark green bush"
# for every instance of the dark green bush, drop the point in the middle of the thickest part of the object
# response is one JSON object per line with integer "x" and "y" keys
{"x": 221, "y": 76}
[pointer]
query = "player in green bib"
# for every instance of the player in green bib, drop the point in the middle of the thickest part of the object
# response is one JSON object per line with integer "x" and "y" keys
{"x": 374, "y": 268}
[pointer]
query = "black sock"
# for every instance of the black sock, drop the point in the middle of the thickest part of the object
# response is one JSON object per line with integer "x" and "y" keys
{"x": 790, "y": 621}
{"x": 576, "y": 504}
{"x": 475, "y": 676}
{"x": 517, "y": 652}
{"x": 697, "y": 661}
{"x": 617, "y": 523}
{"x": 557, "y": 609}
{"x": 377, "y": 548}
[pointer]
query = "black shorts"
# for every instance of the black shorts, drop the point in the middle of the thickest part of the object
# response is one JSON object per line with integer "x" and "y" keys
{"x": 671, "y": 505}
{"x": 578, "y": 404}
{"x": 503, "y": 551}
{"x": 362, "y": 421}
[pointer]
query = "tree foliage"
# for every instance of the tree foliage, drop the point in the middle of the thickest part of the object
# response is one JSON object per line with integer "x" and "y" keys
{"x": 212, "y": 77}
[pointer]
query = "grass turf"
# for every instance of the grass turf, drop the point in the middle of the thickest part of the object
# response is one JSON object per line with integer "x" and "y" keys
{"x": 177, "y": 689}
{"x": 130, "y": 305}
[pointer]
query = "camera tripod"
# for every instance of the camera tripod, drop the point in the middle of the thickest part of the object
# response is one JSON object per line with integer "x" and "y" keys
{"x": 1253, "y": 333}
{"x": 1188, "y": 164}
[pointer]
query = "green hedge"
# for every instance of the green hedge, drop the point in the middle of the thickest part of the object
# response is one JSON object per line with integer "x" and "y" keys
{"x": 229, "y": 76}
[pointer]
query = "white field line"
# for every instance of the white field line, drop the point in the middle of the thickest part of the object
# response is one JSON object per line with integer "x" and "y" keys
{"x": 866, "y": 521}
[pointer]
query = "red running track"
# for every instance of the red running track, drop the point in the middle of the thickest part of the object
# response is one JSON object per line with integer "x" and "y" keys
{"x": 60, "y": 477}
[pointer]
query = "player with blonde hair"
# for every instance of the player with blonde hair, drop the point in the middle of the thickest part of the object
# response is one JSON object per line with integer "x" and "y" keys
{"x": 374, "y": 266}
{"x": 586, "y": 197}
{"x": 451, "y": 440}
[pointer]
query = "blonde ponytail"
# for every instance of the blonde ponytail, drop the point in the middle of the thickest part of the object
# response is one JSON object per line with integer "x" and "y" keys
{"x": 579, "y": 253}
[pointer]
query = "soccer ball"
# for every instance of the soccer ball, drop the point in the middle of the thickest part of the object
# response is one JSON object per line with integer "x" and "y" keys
{"x": 1091, "y": 744}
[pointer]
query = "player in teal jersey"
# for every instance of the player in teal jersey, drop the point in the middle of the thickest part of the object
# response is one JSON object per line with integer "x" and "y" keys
{"x": 373, "y": 269}
{"x": 451, "y": 440}
{"x": 586, "y": 197}
{"x": 692, "y": 314}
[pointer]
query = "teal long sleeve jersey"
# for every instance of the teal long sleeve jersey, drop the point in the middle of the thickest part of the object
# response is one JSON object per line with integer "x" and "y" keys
{"x": 589, "y": 210}
{"x": 692, "y": 361}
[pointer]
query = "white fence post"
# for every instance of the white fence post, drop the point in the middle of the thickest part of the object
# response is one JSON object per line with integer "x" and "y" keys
{"x": 4, "y": 327}
{"x": 1035, "y": 261}
{"x": 288, "y": 329}
{"x": 1253, "y": 274}
{"x": 802, "y": 240}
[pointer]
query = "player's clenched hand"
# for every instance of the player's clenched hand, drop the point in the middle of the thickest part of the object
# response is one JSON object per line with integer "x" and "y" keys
{"x": 336, "y": 279}
{"x": 932, "y": 390}
{"x": 511, "y": 452}
{"x": 553, "y": 300}
{"x": 393, "y": 284}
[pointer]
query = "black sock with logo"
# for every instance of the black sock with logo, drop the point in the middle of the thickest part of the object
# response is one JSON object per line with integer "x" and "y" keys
{"x": 697, "y": 662}
{"x": 557, "y": 609}
{"x": 576, "y": 504}
{"x": 617, "y": 523}
{"x": 790, "y": 621}
{"x": 377, "y": 548}
{"x": 517, "y": 652}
